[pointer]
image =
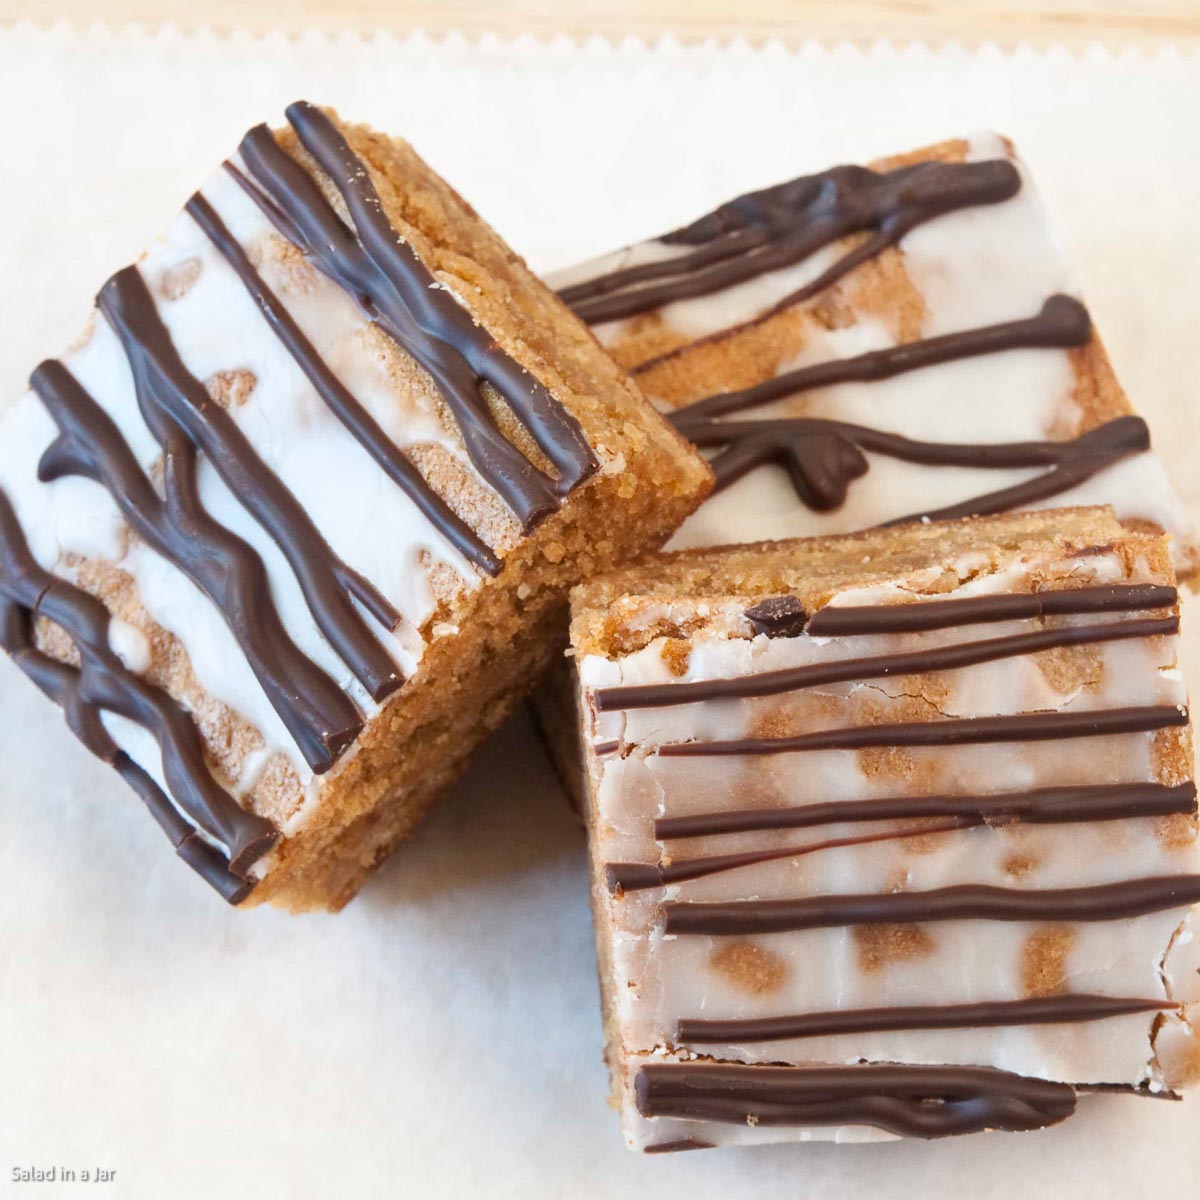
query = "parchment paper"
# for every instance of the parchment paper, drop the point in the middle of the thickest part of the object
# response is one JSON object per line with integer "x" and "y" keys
{"x": 441, "y": 1038}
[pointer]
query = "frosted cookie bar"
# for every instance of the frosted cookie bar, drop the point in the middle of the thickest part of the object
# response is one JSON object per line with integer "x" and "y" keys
{"x": 892, "y": 834}
{"x": 291, "y": 527}
{"x": 866, "y": 346}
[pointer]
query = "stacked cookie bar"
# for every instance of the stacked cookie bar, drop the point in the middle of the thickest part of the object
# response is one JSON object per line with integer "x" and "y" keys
{"x": 866, "y": 346}
{"x": 291, "y": 527}
{"x": 891, "y": 834}
{"x": 887, "y": 768}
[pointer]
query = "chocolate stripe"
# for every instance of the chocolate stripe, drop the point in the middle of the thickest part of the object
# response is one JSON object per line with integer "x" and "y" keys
{"x": 1062, "y": 322}
{"x": 962, "y": 902}
{"x": 396, "y": 290}
{"x": 941, "y": 658}
{"x": 956, "y": 731}
{"x": 838, "y": 620}
{"x": 779, "y": 226}
{"x": 361, "y": 425}
{"x": 1042, "y": 806}
{"x": 102, "y": 683}
{"x": 204, "y": 858}
{"x": 1040, "y": 1010}
{"x": 823, "y": 457}
{"x": 175, "y": 406}
{"x": 910, "y": 1101}
{"x": 316, "y": 712}
{"x": 632, "y": 877}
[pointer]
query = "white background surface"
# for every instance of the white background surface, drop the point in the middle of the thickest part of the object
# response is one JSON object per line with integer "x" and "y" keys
{"x": 441, "y": 1036}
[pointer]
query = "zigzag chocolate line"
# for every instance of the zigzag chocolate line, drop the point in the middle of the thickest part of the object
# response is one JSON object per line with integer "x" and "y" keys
{"x": 176, "y": 407}
{"x": 782, "y": 225}
{"x": 396, "y": 290}
{"x": 364, "y": 428}
{"x": 102, "y": 683}
{"x": 317, "y": 713}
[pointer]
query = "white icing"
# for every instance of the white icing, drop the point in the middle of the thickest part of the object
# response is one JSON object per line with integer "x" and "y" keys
{"x": 130, "y": 645}
{"x": 141, "y": 747}
{"x": 657, "y": 978}
{"x": 978, "y": 266}
{"x": 366, "y": 518}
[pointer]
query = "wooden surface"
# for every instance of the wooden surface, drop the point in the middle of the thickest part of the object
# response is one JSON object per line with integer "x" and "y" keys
{"x": 1115, "y": 23}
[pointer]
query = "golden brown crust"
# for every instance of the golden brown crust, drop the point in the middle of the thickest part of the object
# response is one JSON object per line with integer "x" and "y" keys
{"x": 609, "y": 612}
{"x": 508, "y": 629}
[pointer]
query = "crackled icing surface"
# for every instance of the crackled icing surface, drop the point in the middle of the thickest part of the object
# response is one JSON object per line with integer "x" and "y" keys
{"x": 975, "y": 267}
{"x": 659, "y": 977}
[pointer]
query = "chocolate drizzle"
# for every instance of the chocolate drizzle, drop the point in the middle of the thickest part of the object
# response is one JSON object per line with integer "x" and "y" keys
{"x": 1040, "y": 806}
{"x": 101, "y": 683}
{"x": 849, "y": 620}
{"x": 910, "y": 1101}
{"x": 1038, "y": 1010}
{"x": 951, "y": 731}
{"x": 763, "y": 231}
{"x": 177, "y": 407}
{"x": 881, "y": 666}
{"x": 362, "y": 426}
{"x": 786, "y": 224}
{"x": 1062, "y": 322}
{"x": 822, "y": 458}
{"x": 397, "y": 291}
{"x": 632, "y": 877}
{"x": 316, "y": 712}
{"x": 961, "y": 902}
{"x": 677, "y": 1145}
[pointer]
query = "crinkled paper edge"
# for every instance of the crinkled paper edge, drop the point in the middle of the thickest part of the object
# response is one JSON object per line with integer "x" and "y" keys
{"x": 629, "y": 49}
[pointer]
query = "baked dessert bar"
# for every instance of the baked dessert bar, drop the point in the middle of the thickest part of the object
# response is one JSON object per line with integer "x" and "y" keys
{"x": 291, "y": 527}
{"x": 869, "y": 345}
{"x": 892, "y": 834}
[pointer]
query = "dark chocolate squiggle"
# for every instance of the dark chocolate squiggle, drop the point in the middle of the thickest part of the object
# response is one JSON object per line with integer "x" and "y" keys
{"x": 961, "y": 902}
{"x": 397, "y": 291}
{"x": 1040, "y": 806}
{"x": 102, "y": 683}
{"x": 910, "y": 1101}
{"x": 364, "y": 428}
{"x": 950, "y": 731}
{"x": 1038, "y": 1010}
{"x": 823, "y": 457}
{"x": 176, "y": 406}
{"x": 315, "y": 710}
{"x": 783, "y": 225}
{"x": 879, "y": 666}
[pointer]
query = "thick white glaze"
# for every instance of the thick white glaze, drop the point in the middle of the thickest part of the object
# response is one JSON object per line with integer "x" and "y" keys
{"x": 658, "y": 978}
{"x": 978, "y": 266}
{"x": 367, "y": 520}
